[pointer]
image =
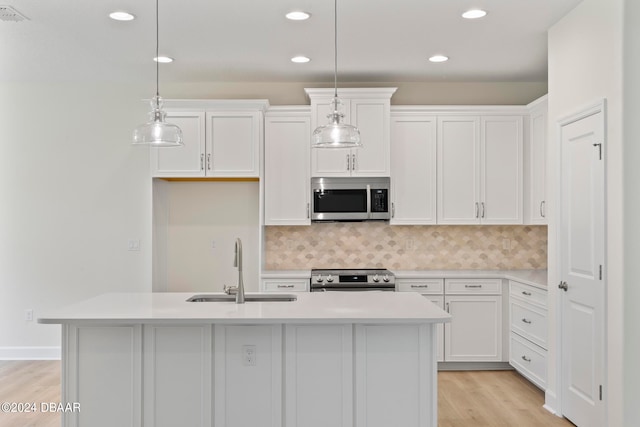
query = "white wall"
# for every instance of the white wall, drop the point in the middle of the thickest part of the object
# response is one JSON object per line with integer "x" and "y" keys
{"x": 72, "y": 192}
{"x": 585, "y": 65}
{"x": 631, "y": 211}
{"x": 201, "y": 213}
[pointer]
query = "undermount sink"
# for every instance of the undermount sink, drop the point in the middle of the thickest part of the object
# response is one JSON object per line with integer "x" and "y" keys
{"x": 247, "y": 298}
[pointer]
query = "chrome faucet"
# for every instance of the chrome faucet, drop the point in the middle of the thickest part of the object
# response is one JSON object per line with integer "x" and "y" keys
{"x": 237, "y": 262}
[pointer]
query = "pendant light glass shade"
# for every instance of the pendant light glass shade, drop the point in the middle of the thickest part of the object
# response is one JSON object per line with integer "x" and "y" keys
{"x": 336, "y": 134}
{"x": 157, "y": 132}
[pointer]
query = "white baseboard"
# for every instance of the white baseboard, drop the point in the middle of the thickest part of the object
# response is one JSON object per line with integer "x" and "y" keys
{"x": 30, "y": 353}
{"x": 551, "y": 402}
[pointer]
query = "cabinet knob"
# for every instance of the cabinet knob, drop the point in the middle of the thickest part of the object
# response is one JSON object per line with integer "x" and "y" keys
{"x": 563, "y": 285}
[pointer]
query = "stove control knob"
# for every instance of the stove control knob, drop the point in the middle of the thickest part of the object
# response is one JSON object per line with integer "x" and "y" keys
{"x": 319, "y": 278}
{"x": 376, "y": 278}
{"x": 329, "y": 278}
{"x": 386, "y": 278}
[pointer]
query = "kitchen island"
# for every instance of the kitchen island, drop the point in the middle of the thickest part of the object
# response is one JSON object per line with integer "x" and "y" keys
{"x": 354, "y": 359}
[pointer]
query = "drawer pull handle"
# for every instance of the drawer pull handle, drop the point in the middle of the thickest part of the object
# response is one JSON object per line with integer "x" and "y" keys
{"x": 285, "y": 286}
{"x": 419, "y": 286}
{"x": 526, "y": 359}
{"x": 472, "y": 286}
{"x": 527, "y": 321}
{"x": 526, "y": 293}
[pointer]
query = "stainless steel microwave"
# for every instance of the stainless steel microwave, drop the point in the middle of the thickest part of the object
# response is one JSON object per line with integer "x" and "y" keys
{"x": 350, "y": 199}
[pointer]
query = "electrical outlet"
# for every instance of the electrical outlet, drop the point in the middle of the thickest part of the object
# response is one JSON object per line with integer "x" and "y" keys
{"x": 28, "y": 315}
{"x": 133, "y": 244}
{"x": 249, "y": 355}
{"x": 506, "y": 244}
{"x": 409, "y": 244}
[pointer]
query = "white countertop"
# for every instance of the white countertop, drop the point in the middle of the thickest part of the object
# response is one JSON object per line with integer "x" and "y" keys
{"x": 320, "y": 307}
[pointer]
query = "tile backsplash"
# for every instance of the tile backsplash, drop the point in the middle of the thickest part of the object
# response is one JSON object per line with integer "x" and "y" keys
{"x": 406, "y": 247}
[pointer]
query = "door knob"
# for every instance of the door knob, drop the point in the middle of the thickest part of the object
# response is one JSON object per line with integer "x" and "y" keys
{"x": 564, "y": 286}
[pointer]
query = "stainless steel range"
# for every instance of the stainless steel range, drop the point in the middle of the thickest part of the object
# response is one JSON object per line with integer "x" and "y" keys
{"x": 374, "y": 279}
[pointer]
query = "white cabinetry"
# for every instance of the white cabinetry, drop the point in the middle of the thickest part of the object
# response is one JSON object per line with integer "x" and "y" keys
{"x": 285, "y": 285}
{"x": 536, "y": 154}
{"x": 222, "y": 139}
{"x": 480, "y": 169}
{"x": 367, "y": 109}
{"x": 475, "y": 332}
{"x": 413, "y": 168}
{"x": 286, "y": 166}
{"x": 528, "y": 331}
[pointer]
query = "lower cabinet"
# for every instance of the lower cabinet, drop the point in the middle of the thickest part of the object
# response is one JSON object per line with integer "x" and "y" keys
{"x": 475, "y": 333}
{"x": 285, "y": 285}
{"x": 528, "y": 331}
{"x": 235, "y": 375}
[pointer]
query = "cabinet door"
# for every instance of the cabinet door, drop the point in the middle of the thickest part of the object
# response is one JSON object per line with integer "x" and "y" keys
{"x": 331, "y": 161}
{"x": 233, "y": 144}
{"x": 413, "y": 169}
{"x": 458, "y": 167}
{"x": 319, "y": 375}
{"x": 371, "y": 116}
{"x": 475, "y": 331}
{"x": 177, "y": 375}
{"x": 501, "y": 179}
{"x": 185, "y": 161}
{"x": 286, "y": 174}
{"x": 537, "y": 165}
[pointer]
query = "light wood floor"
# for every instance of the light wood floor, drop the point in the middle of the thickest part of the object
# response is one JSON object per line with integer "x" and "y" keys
{"x": 465, "y": 399}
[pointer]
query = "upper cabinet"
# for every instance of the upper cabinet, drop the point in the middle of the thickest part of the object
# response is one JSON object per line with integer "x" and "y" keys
{"x": 221, "y": 139}
{"x": 369, "y": 110}
{"x": 480, "y": 169}
{"x": 536, "y": 154}
{"x": 286, "y": 166}
{"x": 413, "y": 167}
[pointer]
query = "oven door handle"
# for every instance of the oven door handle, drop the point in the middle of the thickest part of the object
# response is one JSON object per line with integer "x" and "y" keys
{"x": 368, "y": 201}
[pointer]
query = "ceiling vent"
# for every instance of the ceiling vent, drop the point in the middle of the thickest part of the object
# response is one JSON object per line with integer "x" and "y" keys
{"x": 8, "y": 13}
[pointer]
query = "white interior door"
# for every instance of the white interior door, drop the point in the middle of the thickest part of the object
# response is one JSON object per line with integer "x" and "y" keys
{"x": 582, "y": 235}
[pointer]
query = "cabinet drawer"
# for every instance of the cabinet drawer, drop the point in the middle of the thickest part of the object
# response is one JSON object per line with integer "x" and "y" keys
{"x": 528, "y": 293}
{"x": 528, "y": 359}
{"x": 285, "y": 285}
{"x": 423, "y": 286}
{"x": 529, "y": 322}
{"x": 473, "y": 286}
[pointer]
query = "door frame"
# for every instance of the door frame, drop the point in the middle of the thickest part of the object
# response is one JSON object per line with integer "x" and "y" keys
{"x": 598, "y": 106}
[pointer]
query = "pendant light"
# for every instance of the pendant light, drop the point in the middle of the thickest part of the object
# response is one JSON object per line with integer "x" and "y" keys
{"x": 336, "y": 134}
{"x": 157, "y": 132}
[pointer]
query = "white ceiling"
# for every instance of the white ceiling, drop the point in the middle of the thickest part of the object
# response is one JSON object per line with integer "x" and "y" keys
{"x": 250, "y": 40}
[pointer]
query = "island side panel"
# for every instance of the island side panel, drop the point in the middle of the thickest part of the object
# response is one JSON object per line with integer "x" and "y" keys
{"x": 319, "y": 375}
{"x": 395, "y": 375}
{"x": 177, "y": 375}
{"x": 248, "y": 375}
{"x": 102, "y": 371}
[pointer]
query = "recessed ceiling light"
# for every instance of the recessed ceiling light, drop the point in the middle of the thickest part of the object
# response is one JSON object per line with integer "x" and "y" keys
{"x": 298, "y": 15}
{"x": 300, "y": 59}
{"x": 121, "y": 16}
{"x": 163, "y": 59}
{"x": 474, "y": 14}
{"x": 439, "y": 58}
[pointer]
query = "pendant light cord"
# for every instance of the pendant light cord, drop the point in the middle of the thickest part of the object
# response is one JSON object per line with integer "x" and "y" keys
{"x": 157, "y": 50}
{"x": 335, "y": 47}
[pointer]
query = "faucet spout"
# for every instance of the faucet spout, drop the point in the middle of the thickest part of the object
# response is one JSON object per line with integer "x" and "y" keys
{"x": 238, "y": 263}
